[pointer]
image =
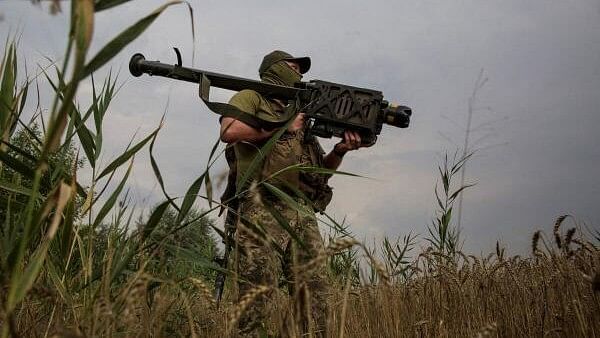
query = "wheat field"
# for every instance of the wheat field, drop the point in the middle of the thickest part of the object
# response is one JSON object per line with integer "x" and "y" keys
{"x": 554, "y": 293}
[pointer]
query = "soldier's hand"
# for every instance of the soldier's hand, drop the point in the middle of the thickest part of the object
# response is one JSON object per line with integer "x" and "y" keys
{"x": 297, "y": 124}
{"x": 350, "y": 142}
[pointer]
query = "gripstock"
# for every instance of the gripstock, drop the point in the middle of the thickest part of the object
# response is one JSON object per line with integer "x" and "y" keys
{"x": 331, "y": 108}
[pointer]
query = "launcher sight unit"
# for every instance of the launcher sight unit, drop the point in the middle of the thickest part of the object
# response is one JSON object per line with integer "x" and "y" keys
{"x": 331, "y": 108}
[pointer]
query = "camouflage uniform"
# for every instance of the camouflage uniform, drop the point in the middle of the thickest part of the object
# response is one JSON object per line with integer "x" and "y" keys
{"x": 259, "y": 263}
{"x": 265, "y": 259}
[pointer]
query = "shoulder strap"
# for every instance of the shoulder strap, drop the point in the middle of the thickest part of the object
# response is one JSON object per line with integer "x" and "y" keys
{"x": 228, "y": 110}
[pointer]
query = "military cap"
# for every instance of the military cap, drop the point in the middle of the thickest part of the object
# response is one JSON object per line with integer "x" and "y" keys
{"x": 278, "y": 55}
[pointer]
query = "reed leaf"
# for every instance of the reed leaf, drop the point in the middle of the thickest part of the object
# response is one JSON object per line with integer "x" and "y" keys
{"x": 283, "y": 222}
{"x": 258, "y": 159}
{"x": 209, "y": 188}
{"x": 84, "y": 27}
{"x": 21, "y": 283}
{"x": 157, "y": 173}
{"x": 312, "y": 169}
{"x": 17, "y": 165}
{"x": 67, "y": 232}
{"x": 57, "y": 282}
{"x": 85, "y": 136}
{"x": 190, "y": 197}
{"x": 459, "y": 190}
{"x": 154, "y": 219}
{"x": 112, "y": 199}
{"x": 21, "y": 151}
{"x": 196, "y": 257}
{"x": 22, "y": 98}
{"x": 82, "y": 24}
{"x": 99, "y": 110}
{"x": 127, "y": 252}
{"x": 16, "y": 188}
{"x": 127, "y": 154}
{"x": 287, "y": 199}
{"x": 9, "y": 75}
{"x": 192, "y": 192}
{"x": 101, "y": 5}
{"x": 7, "y": 90}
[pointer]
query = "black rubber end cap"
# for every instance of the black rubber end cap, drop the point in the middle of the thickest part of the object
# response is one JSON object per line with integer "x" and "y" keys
{"x": 134, "y": 64}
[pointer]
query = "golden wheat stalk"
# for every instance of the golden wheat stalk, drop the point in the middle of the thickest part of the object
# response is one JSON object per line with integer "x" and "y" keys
{"x": 335, "y": 246}
{"x": 534, "y": 242}
{"x": 596, "y": 282}
{"x": 487, "y": 330}
{"x": 568, "y": 240}
{"x": 341, "y": 244}
{"x": 243, "y": 229}
{"x": 311, "y": 265}
{"x": 556, "y": 230}
{"x": 244, "y": 303}
{"x": 204, "y": 291}
{"x": 379, "y": 267}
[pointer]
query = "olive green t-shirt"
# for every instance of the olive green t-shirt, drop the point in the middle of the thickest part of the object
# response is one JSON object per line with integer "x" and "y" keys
{"x": 253, "y": 103}
{"x": 286, "y": 151}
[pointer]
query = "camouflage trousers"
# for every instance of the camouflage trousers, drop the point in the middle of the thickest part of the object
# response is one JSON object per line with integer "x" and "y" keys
{"x": 276, "y": 259}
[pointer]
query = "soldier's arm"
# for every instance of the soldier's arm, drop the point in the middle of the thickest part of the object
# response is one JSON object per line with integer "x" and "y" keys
{"x": 233, "y": 130}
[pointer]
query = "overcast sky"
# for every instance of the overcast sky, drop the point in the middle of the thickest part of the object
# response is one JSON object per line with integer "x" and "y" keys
{"x": 540, "y": 152}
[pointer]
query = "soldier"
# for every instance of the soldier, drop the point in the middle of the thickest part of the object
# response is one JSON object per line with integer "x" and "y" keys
{"x": 258, "y": 262}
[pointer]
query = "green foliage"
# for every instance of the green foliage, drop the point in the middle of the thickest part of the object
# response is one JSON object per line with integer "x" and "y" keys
{"x": 343, "y": 266}
{"x": 24, "y": 146}
{"x": 185, "y": 253}
{"x": 53, "y": 231}
{"x": 444, "y": 237}
{"x": 397, "y": 258}
{"x": 9, "y": 97}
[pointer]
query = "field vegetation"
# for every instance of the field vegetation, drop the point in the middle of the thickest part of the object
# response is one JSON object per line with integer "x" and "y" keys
{"x": 77, "y": 260}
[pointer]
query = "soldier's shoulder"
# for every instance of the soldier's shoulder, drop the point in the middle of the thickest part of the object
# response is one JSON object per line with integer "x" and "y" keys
{"x": 248, "y": 101}
{"x": 248, "y": 95}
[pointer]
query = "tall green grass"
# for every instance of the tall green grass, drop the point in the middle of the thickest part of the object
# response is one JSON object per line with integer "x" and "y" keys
{"x": 51, "y": 221}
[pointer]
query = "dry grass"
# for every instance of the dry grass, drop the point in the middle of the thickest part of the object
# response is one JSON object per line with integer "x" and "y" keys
{"x": 519, "y": 298}
{"x": 553, "y": 293}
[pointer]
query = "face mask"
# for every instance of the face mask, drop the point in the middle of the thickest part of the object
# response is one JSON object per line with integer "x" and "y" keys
{"x": 281, "y": 74}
